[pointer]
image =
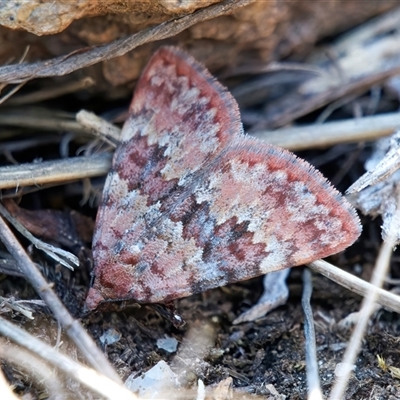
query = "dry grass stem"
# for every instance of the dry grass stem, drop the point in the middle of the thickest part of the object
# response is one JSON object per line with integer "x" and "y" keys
{"x": 58, "y": 171}
{"x": 367, "y": 308}
{"x": 48, "y": 93}
{"x": 42, "y": 374}
{"x": 100, "y": 384}
{"x": 332, "y": 133}
{"x": 11, "y": 93}
{"x": 387, "y": 299}
{"x": 72, "y": 327}
{"x": 314, "y": 386}
{"x": 368, "y": 305}
{"x": 99, "y": 127}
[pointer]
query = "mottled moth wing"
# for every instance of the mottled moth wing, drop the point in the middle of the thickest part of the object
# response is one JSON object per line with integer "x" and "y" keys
{"x": 192, "y": 203}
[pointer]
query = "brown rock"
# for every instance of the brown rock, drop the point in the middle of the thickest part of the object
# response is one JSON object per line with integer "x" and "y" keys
{"x": 252, "y": 35}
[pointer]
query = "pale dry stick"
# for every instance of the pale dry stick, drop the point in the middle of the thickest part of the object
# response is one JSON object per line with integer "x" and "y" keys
{"x": 99, "y": 127}
{"x": 59, "y": 171}
{"x": 100, "y": 384}
{"x": 331, "y": 133}
{"x": 314, "y": 386}
{"x": 52, "y": 92}
{"x": 66, "y": 64}
{"x": 368, "y": 128}
{"x": 35, "y": 367}
{"x": 16, "y": 89}
{"x": 5, "y": 390}
{"x": 72, "y": 327}
{"x": 367, "y": 307}
{"x": 11, "y": 92}
{"x": 386, "y": 299}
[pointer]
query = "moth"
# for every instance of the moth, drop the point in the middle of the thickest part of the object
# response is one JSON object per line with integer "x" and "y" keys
{"x": 192, "y": 203}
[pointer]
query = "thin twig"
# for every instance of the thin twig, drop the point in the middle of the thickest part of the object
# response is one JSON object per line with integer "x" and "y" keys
{"x": 66, "y": 64}
{"x": 11, "y": 92}
{"x": 314, "y": 387}
{"x": 99, "y": 127}
{"x": 367, "y": 307}
{"x": 72, "y": 327}
{"x": 331, "y": 133}
{"x": 388, "y": 300}
{"x": 35, "y": 367}
{"x": 52, "y": 92}
{"x": 93, "y": 380}
{"x": 16, "y": 88}
{"x": 58, "y": 171}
